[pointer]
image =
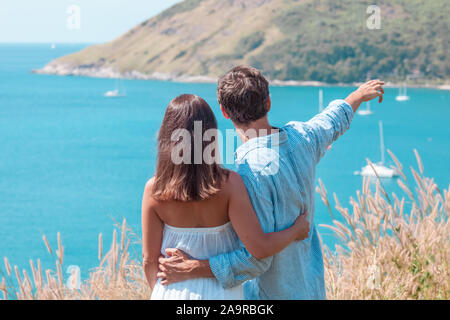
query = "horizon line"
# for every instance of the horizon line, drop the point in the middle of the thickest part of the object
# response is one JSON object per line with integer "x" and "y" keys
{"x": 49, "y": 42}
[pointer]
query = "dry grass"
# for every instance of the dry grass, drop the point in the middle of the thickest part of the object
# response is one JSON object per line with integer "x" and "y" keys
{"x": 116, "y": 278}
{"x": 392, "y": 248}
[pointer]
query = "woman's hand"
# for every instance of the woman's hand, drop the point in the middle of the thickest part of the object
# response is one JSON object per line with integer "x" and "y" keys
{"x": 178, "y": 266}
{"x": 302, "y": 227}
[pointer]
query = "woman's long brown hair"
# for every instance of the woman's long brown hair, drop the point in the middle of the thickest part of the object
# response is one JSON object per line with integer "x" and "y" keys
{"x": 186, "y": 181}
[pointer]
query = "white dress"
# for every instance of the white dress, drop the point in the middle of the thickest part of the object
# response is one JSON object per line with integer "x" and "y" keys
{"x": 201, "y": 244}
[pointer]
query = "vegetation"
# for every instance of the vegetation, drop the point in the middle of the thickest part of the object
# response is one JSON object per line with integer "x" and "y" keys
{"x": 329, "y": 41}
{"x": 321, "y": 40}
{"x": 117, "y": 277}
{"x": 249, "y": 43}
{"x": 180, "y": 7}
{"x": 392, "y": 248}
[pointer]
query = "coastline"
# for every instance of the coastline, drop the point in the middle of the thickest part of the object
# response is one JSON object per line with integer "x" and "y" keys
{"x": 111, "y": 73}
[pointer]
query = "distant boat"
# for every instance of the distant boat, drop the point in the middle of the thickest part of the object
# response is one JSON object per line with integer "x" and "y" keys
{"x": 320, "y": 100}
{"x": 381, "y": 170}
{"x": 367, "y": 111}
{"x": 402, "y": 96}
{"x": 116, "y": 92}
{"x": 53, "y": 46}
{"x": 112, "y": 93}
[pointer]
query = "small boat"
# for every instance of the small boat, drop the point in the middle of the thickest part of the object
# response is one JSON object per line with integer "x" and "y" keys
{"x": 112, "y": 93}
{"x": 53, "y": 46}
{"x": 116, "y": 92}
{"x": 382, "y": 171}
{"x": 379, "y": 169}
{"x": 367, "y": 111}
{"x": 402, "y": 96}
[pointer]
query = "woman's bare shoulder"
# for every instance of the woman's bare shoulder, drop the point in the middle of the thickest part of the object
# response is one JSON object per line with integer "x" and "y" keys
{"x": 149, "y": 184}
{"x": 152, "y": 202}
{"x": 234, "y": 184}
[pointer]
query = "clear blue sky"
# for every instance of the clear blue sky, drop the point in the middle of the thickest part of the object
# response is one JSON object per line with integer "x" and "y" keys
{"x": 46, "y": 20}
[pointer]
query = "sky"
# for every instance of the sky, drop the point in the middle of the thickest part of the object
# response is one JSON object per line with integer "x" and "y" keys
{"x": 73, "y": 21}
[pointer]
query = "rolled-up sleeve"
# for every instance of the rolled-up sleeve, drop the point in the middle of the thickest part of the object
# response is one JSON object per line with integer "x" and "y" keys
{"x": 327, "y": 126}
{"x": 234, "y": 268}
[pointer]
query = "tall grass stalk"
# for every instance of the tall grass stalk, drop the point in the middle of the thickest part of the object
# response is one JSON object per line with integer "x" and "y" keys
{"x": 116, "y": 278}
{"x": 391, "y": 250}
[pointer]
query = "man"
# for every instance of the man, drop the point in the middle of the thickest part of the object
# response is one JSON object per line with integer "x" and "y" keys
{"x": 278, "y": 169}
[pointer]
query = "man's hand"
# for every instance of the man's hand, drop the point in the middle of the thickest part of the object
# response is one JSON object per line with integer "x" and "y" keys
{"x": 180, "y": 267}
{"x": 302, "y": 227}
{"x": 368, "y": 91}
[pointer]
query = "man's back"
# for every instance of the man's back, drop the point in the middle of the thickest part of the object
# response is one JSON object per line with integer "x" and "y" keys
{"x": 279, "y": 173}
{"x": 284, "y": 192}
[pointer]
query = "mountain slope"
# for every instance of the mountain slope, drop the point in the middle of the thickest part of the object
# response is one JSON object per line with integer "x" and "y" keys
{"x": 316, "y": 40}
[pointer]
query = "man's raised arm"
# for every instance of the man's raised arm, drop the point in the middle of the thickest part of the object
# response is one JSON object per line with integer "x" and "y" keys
{"x": 330, "y": 124}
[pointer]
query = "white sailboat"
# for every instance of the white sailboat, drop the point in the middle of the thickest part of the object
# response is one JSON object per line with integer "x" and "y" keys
{"x": 367, "y": 111}
{"x": 381, "y": 170}
{"x": 117, "y": 92}
{"x": 320, "y": 100}
{"x": 53, "y": 46}
{"x": 402, "y": 96}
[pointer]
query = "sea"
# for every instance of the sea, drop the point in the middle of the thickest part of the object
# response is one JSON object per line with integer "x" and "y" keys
{"x": 75, "y": 162}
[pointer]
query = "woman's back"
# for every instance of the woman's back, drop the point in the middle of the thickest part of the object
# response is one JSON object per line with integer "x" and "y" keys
{"x": 211, "y": 212}
{"x": 202, "y": 230}
{"x": 199, "y": 243}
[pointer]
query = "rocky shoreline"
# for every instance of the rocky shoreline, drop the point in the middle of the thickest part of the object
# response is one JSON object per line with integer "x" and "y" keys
{"x": 112, "y": 73}
{"x": 109, "y": 72}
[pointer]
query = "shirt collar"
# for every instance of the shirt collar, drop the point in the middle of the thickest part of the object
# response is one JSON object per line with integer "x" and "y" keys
{"x": 268, "y": 141}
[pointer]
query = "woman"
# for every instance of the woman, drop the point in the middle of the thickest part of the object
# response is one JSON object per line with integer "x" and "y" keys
{"x": 199, "y": 207}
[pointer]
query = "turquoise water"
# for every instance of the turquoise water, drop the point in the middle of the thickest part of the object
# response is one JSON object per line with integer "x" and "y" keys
{"x": 72, "y": 160}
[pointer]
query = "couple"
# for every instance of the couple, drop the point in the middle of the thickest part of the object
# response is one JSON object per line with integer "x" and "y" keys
{"x": 244, "y": 234}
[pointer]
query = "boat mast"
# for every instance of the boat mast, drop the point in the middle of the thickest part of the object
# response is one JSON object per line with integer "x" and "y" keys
{"x": 381, "y": 142}
{"x": 320, "y": 100}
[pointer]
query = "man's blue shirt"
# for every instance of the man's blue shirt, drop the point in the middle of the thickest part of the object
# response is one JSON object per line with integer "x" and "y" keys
{"x": 279, "y": 173}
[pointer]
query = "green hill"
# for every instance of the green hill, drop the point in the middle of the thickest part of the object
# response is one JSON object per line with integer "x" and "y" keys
{"x": 319, "y": 40}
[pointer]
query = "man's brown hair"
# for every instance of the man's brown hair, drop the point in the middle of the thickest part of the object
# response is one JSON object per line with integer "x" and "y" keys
{"x": 243, "y": 92}
{"x": 186, "y": 181}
